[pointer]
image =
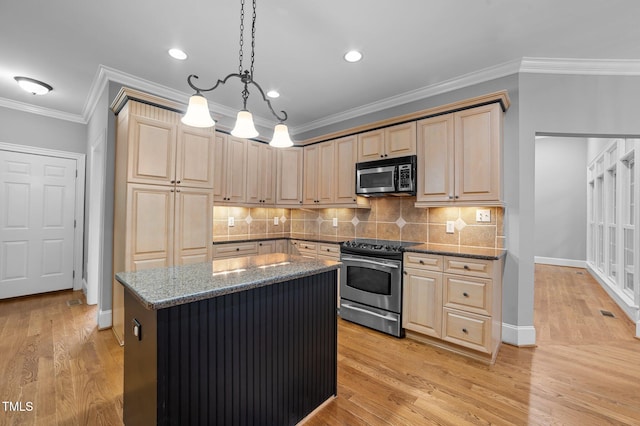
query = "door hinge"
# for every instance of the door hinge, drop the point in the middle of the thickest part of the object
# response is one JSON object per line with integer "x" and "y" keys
{"x": 73, "y": 275}
{"x": 74, "y": 223}
{"x": 76, "y": 172}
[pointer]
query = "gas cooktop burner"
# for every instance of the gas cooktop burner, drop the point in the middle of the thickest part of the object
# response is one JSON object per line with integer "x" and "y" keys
{"x": 366, "y": 246}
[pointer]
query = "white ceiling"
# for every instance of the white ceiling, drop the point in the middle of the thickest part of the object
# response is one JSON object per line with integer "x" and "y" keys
{"x": 408, "y": 46}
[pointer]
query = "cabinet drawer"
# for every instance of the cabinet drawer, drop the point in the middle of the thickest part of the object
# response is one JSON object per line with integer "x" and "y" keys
{"x": 431, "y": 262}
{"x": 329, "y": 250}
{"x": 468, "y": 294}
{"x": 471, "y": 267}
{"x": 235, "y": 250}
{"x": 465, "y": 329}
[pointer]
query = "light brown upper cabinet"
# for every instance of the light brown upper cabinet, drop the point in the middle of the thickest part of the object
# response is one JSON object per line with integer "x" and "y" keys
{"x": 319, "y": 173}
{"x": 229, "y": 183}
{"x": 346, "y": 155}
{"x": 460, "y": 158}
{"x": 165, "y": 153}
{"x": 261, "y": 174}
{"x": 289, "y": 177}
{"x": 393, "y": 141}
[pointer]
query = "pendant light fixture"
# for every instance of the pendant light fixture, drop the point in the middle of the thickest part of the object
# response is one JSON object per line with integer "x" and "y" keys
{"x": 198, "y": 114}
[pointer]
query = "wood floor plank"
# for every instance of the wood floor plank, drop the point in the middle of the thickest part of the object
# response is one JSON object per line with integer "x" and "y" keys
{"x": 584, "y": 369}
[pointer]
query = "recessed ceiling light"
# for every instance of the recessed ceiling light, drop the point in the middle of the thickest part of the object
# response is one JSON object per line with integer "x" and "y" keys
{"x": 352, "y": 56}
{"x": 33, "y": 86}
{"x": 177, "y": 54}
{"x": 273, "y": 94}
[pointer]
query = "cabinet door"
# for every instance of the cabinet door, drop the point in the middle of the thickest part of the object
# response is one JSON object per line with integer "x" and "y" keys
{"x": 152, "y": 150}
{"x": 400, "y": 140}
{"x": 195, "y": 157}
{"x": 149, "y": 226}
{"x": 289, "y": 177}
{"x": 268, "y": 172}
{"x": 261, "y": 174}
{"x": 478, "y": 136}
{"x": 266, "y": 247}
{"x": 236, "y": 169}
{"x": 193, "y": 226}
{"x": 326, "y": 173}
{"x": 346, "y": 155}
{"x": 219, "y": 167}
{"x": 311, "y": 172}
{"x": 371, "y": 145}
{"x": 435, "y": 159}
{"x": 422, "y": 302}
{"x": 253, "y": 195}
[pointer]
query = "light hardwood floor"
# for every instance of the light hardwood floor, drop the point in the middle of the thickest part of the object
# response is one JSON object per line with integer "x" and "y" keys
{"x": 585, "y": 369}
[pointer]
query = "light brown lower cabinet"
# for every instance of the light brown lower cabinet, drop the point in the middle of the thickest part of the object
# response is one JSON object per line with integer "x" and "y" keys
{"x": 454, "y": 303}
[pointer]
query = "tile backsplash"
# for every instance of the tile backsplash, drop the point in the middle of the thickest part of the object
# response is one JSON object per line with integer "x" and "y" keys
{"x": 390, "y": 218}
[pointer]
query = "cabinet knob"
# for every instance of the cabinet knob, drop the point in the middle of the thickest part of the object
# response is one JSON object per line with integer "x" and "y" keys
{"x": 466, "y": 267}
{"x": 173, "y": 181}
{"x": 464, "y": 330}
{"x": 421, "y": 262}
{"x": 178, "y": 182}
{"x": 328, "y": 250}
{"x": 450, "y": 197}
{"x": 260, "y": 244}
{"x": 404, "y": 272}
{"x": 465, "y": 294}
{"x": 381, "y": 156}
{"x": 386, "y": 155}
{"x": 177, "y": 190}
{"x": 237, "y": 248}
{"x": 457, "y": 197}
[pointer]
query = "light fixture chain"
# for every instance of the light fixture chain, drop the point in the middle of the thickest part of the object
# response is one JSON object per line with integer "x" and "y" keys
{"x": 241, "y": 53}
{"x": 253, "y": 36}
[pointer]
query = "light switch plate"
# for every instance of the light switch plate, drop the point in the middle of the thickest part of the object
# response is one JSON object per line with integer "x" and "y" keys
{"x": 450, "y": 226}
{"x": 483, "y": 215}
{"x": 231, "y": 221}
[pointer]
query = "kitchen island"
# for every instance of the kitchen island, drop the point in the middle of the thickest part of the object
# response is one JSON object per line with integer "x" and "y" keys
{"x": 251, "y": 340}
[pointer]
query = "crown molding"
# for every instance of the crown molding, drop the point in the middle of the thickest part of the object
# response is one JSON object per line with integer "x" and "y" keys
{"x": 460, "y": 82}
{"x": 104, "y": 75}
{"x": 47, "y": 112}
{"x": 630, "y": 67}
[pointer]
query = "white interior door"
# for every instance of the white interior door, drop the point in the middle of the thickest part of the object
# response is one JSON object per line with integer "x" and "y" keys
{"x": 37, "y": 208}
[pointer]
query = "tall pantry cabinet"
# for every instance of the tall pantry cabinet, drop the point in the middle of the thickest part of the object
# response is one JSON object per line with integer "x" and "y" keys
{"x": 163, "y": 207}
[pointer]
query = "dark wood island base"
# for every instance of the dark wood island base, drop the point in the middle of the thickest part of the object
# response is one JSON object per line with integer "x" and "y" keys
{"x": 262, "y": 356}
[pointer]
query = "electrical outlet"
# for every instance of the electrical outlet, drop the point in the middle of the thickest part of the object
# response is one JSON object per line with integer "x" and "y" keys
{"x": 276, "y": 220}
{"x": 483, "y": 215}
{"x": 450, "y": 226}
{"x": 231, "y": 221}
{"x": 335, "y": 222}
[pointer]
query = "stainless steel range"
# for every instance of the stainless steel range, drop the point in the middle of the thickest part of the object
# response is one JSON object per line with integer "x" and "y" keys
{"x": 371, "y": 284}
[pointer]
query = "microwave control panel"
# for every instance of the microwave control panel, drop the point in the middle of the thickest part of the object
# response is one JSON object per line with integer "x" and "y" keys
{"x": 405, "y": 181}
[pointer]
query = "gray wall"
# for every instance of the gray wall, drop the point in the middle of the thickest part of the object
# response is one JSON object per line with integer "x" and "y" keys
{"x": 24, "y": 128}
{"x": 561, "y": 198}
{"x": 560, "y": 104}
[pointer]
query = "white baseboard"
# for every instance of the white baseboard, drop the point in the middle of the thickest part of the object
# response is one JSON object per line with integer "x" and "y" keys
{"x": 518, "y": 335}
{"x": 561, "y": 262}
{"x": 104, "y": 319}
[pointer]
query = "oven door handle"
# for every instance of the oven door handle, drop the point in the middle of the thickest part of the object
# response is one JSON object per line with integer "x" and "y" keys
{"x": 355, "y": 308}
{"x": 373, "y": 262}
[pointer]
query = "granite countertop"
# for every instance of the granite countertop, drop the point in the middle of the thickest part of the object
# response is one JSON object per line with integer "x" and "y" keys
{"x": 165, "y": 287}
{"x": 460, "y": 251}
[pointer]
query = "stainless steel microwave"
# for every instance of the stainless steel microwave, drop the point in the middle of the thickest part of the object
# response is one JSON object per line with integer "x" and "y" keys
{"x": 391, "y": 176}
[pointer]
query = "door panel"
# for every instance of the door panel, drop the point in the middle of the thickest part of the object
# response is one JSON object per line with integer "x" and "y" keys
{"x": 37, "y": 195}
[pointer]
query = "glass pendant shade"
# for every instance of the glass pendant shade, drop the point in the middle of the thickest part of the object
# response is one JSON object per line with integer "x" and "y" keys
{"x": 281, "y": 138}
{"x": 244, "y": 127}
{"x": 198, "y": 112}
